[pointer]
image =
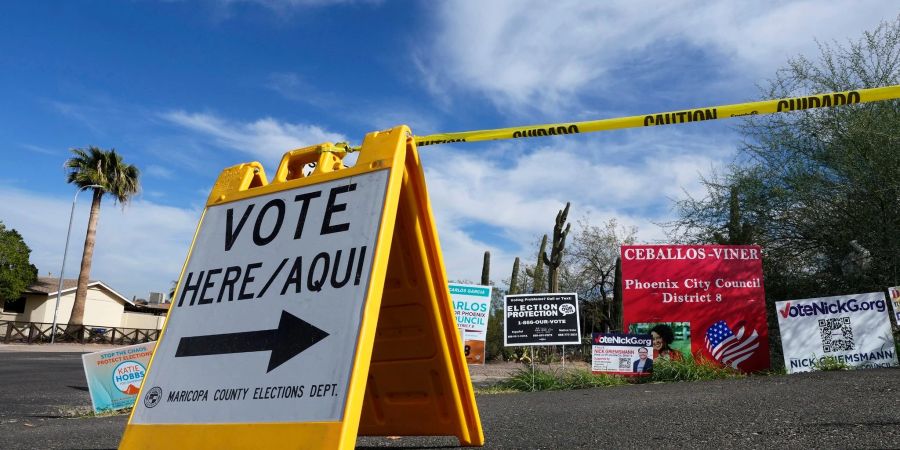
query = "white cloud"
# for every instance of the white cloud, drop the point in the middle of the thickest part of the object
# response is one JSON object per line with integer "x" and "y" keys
{"x": 283, "y": 4}
{"x": 470, "y": 191}
{"x": 143, "y": 247}
{"x": 287, "y": 7}
{"x": 82, "y": 113}
{"x": 42, "y": 150}
{"x": 266, "y": 138}
{"x": 139, "y": 249}
{"x": 295, "y": 87}
{"x": 386, "y": 115}
{"x": 528, "y": 55}
{"x": 158, "y": 171}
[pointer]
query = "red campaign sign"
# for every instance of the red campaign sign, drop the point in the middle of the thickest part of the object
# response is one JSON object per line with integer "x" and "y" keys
{"x": 710, "y": 299}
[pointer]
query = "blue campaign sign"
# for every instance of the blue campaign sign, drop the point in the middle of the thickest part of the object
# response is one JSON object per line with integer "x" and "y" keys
{"x": 472, "y": 305}
{"x": 114, "y": 376}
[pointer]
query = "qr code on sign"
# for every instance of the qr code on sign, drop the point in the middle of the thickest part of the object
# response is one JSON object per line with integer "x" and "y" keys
{"x": 837, "y": 334}
{"x": 624, "y": 363}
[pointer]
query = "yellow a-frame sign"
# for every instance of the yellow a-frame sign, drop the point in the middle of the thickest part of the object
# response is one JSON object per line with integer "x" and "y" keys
{"x": 311, "y": 309}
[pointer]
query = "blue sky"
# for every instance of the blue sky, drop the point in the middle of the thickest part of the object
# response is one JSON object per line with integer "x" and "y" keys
{"x": 183, "y": 89}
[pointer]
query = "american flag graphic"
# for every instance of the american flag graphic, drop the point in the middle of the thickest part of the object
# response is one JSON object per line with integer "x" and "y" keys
{"x": 729, "y": 348}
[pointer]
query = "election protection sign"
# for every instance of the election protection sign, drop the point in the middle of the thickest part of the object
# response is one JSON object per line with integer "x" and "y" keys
{"x": 717, "y": 290}
{"x": 851, "y": 329}
{"x": 472, "y": 305}
{"x": 541, "y": 319}
{"x": 621, "y": 354}
{"x": 306, "y": 305}
{"x": 114, "y": 376}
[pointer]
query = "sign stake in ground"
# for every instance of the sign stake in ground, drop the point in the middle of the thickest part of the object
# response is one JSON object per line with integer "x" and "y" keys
{"x": 311, "y": 309}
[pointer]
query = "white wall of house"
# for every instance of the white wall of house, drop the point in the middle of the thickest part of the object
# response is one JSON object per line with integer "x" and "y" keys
{"x": 32, "y": 303}
{"x": 44, "y": 306}
{"x": 24, "y": 316}
{"x": 141, "y": 320}
{"x": 102, "y": 309}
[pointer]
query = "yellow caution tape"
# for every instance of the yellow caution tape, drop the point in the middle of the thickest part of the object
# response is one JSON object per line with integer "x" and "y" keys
{"x": 670, "y": 118}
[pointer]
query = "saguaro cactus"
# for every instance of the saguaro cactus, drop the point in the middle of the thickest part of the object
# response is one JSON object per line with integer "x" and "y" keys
{"x": 537, "y": 274}
{"x": 556, "y": 251}
{"x": 615, "y": 316}
{"x": 514, "y": 279}
{"x": 486, "y": 270}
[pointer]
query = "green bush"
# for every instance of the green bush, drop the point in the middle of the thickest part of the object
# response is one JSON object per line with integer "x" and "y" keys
{"x": 526, "y": 380}
{"x": 664, "y": 370}
{"x": 690, "y": 369}
{"x": 549, "y": 380}
{"x": 583, "y": 379}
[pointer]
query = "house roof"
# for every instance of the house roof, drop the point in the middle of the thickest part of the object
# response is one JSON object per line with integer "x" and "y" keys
{"x": 49, "y": 285}
{"x": 153, "y": 308}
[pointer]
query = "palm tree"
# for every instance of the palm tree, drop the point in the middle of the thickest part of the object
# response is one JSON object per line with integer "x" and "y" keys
{"x": 95, "y": 166}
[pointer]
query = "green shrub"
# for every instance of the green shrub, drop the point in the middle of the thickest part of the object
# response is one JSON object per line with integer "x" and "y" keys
{"x": 526, "y": 380}
{"x": 690, "y": 369}
{"x": 664, "y": 370}
{"x": 583, "y": 379}
{"x": 549, "y": 380}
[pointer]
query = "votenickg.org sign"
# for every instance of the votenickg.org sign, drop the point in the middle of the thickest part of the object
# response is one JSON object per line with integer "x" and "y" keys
{"x": 851, "y": 329}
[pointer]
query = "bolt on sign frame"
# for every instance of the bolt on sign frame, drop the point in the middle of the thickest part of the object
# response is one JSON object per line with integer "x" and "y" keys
{"x": 389, "y": 342}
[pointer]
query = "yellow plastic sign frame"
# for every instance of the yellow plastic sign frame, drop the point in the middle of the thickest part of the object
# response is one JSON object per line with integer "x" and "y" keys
{"x": 409, "y": 376}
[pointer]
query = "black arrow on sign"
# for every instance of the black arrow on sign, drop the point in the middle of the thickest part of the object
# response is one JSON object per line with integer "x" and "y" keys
{"x": 292, "y": 336}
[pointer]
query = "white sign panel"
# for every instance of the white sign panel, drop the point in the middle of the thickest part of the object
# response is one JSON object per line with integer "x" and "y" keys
{"x": 853, "y": 329}
{"x": 265, "y": 323}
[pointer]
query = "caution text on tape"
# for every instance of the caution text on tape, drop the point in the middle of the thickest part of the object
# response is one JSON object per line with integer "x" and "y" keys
{"x": 670, "y": 118}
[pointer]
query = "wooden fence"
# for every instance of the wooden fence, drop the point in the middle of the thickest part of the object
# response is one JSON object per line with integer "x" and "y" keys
{"x": 38, "y": 332}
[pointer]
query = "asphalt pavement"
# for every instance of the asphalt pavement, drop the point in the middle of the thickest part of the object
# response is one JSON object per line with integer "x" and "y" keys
{"x": 44, "y": 401}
